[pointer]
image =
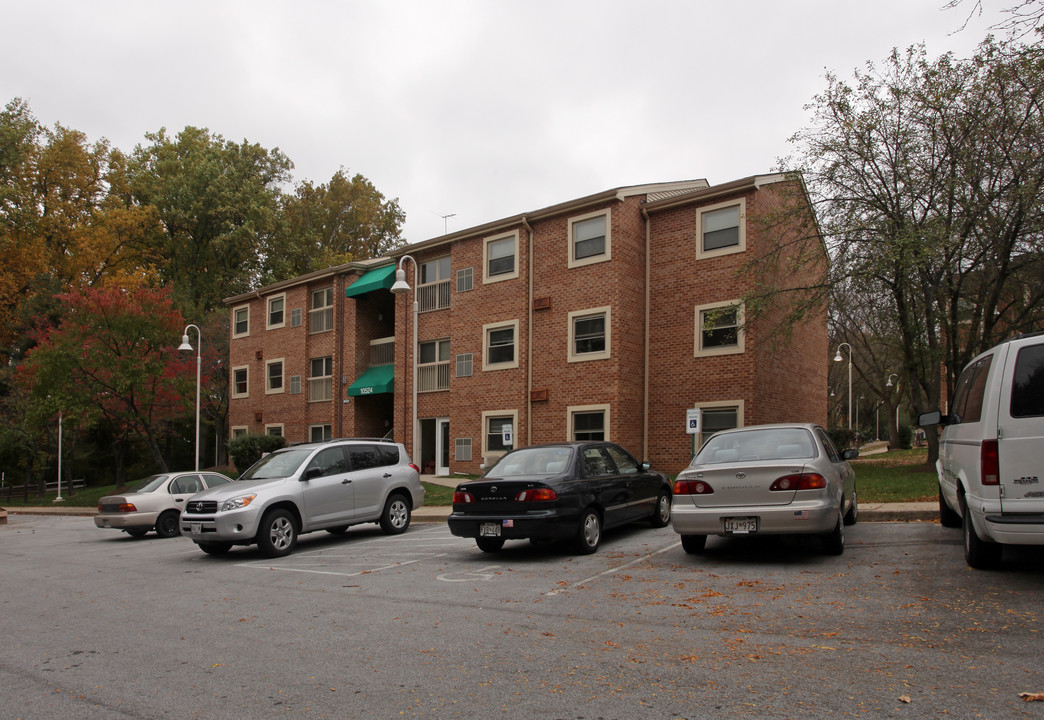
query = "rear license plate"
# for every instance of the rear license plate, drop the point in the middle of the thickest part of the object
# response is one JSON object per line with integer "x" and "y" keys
{"x": 489, "y": 530}
{"x": 196, "y": 528}
{"x": 741, "y": 525}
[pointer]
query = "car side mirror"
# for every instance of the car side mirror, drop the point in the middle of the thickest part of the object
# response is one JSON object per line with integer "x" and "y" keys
{"x": 646, "y": 466}
{"x": 850, "y": 454}
{"x": 311, "y": 473}
{"x": 930, "y": 418}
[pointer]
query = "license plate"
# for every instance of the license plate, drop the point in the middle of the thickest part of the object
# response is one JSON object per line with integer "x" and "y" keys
{"x": 489, "y": 530}
{"x": 196, "y": 528}
{"x": 741, "y": 526}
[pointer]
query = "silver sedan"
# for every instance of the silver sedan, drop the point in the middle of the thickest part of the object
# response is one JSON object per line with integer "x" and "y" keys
{"x": 766, "y": 480}
{"x": 154, "y": 503}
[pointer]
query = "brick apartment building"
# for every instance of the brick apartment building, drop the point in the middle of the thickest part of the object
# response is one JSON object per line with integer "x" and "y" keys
{"x": 607, "y": 316}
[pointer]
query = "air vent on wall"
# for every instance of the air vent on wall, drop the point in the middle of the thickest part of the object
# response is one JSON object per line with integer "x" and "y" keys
{"x": 541, "y": 303}
{"x": 257, "y": 355}
{"x": 257, "y": 417}
{"x": 538, "y": 395}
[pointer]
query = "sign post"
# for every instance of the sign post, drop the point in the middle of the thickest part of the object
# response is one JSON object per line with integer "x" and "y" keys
{"x": 693, "y": 425}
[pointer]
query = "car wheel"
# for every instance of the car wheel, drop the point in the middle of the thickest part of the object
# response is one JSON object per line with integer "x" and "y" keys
{"x": 852, "y": 516}
{"x": 694, "y": 544}
{"x": 339, "y": 530}
{"x": 978, "y": 553}
{"x": 589, "y": 533}
{"x": 168, "y": 525}
{"x": 277, "y": 534}
{"x": 661, "y": 516}
{"x": 396, "y": 515}
{"x": 834, "y": 541}
{"x": 214, "y": 548}
{"x": 948, "y": 517}
{"x": 489, "y": 544}
{"x": 136, "y": 532}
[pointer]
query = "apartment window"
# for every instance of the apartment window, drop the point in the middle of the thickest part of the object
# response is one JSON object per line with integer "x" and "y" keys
{"x": 499, "y": 346}
{"x": 589, "y": 334}
{"x": 465, "y": 280}
{"x": 320, "y": 317}
{"x": 295, "y": 317}
{"x": 718, "y": 416}
{"x": 320, "y": 433}
{"x": 589, "y": 239}
{"x": 433, "y": 367}
{"x": 433, "y": 292}
{"x": 722, "y": 229}
{"x": 239, "y": 431}
{"x": 274, "y": 430}
{"x": 493, "y": 424}
{"x": 274, "y": 376}
{"x": 719, "y": 329}
{"x": 465, "y": 365}
{"x": 276, "y": 312}
{"x": 295, "y": 384}
{"x": 501, "y": 258}
{"x": 241, "y": 321}
{"x": 320, "y": 384}
{"x": 462, "y": 449}
{"x": 588, "y": 422}
{"x": 240, "y": 382}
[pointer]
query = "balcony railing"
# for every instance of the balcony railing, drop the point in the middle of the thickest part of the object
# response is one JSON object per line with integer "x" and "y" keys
{"x": 382, "y": 351}
{"x": 433, "y": 377}
{"x": 435, "y": 296}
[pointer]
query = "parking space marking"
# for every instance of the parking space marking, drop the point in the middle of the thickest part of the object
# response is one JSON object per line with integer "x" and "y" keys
{"x": 480, "y": 574}
{"x": 365, "y": 571}
{"x": 610, "y": 571}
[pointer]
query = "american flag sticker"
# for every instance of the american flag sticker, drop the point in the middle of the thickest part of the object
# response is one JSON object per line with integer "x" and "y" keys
{"x": 509, "y": 523}
{"x": 801, "y": 514}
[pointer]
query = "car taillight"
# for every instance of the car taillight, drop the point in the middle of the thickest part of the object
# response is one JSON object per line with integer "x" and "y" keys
{"x": 463, "y": 497}
{"x": 989, "y": 463}
{"x": 537, "y": 495}
{"x": 800, "y": 481}
{"x": 126, "y": 507}
{"x": 415, "y": 468}
{"x": 691, "y": 487}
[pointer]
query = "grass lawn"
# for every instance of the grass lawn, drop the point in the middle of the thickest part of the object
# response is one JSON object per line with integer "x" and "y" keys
{"x": 899, "y": 476}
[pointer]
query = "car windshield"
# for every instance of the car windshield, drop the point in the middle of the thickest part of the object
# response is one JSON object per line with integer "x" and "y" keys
{"x": 533, "y": 461}
{"x": 766, "y": 444}
{"x": 277, "y": 465}
{"x": 150, "y": 483}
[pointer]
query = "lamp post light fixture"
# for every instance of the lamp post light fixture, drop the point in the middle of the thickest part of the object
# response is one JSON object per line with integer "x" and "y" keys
{"x": 400, "y": 287}
{"x": 838, "y": 358}
{"x": 888, "y": 385}
{"x": 186, "y": 347}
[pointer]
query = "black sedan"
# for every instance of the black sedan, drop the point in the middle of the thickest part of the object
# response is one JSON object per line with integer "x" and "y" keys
{"x": 562, "y": 492}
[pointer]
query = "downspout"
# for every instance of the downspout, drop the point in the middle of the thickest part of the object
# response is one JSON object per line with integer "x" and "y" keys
{"x": 338, "y": 387}
{"x": 645, "y": 341}
{"x": 529, "y": 333}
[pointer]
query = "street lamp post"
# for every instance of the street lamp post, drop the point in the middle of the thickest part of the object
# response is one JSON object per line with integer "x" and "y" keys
{"x": 400, "y": 287}
{"x": 838, "y": 358}
{"x": 888, "y": 385}
{"x": 59, "y": 498}
{"x": 185, "y": 346}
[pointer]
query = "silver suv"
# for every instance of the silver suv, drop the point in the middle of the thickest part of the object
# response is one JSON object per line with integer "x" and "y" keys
{"x": 313, "y": 486}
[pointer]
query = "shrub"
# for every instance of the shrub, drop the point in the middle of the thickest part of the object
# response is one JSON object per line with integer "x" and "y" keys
{"x": 246, "y": 450}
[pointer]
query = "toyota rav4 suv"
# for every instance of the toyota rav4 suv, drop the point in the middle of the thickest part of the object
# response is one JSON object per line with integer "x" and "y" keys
{"x": 313, "y": 486}
{"x": 991, "y": 451}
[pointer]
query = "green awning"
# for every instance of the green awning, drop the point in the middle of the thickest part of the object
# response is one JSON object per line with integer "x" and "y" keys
{"x": 380, "y": 279}
{"x": 379, "y": 379}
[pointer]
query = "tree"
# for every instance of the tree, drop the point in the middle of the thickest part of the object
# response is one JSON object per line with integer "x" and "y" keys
{"x": 1024, "y": 17}
{"x": 928, "y": 178}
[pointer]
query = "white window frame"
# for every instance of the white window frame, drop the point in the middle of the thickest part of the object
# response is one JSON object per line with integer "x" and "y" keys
{"x": 268, "y": 311}
{"x": 434, "y": 294}
{"x": 486, "y": 277}
{"x": 741, "y": 335}
{"x": 324, "y": 382}
{"x": 238, "y": 431}
{"x": 325, "y": 427}
{"x": 326, "y": 312}
{"x": 603, "y": 257}
{"x": 572, "y": 354}
{"x": 486, "y": 330}
{"x": 438, "y": 370}
{"x": 235, "y": 310}
{"x": 717, "y": 405}
{"x": 246, "y": 369}
{"x": 574, "y": 410}
{"x": 486, "y": 415}
{"x": 702, "y": 254}
{"x": 282, "y": 374}
{"x": 275, "y": 426}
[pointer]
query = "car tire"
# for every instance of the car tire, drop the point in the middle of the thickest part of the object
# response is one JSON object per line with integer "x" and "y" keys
{"x": 214, "y": 548}
{"x": 277, "y": 534}
{"x": 834, "y": 541}
{"x": 661, "y": 516}
{"x": 694, "y": 544}
{"x": 978, "y": 553}
{"x": 852, "y": 516}
{"x": 168, "y": 524}
{"x": 589, "y": 533}
{"x": 137, "y": 532}
{"x": 948, "y": 517}
{"x": 395, "y": 517}
{"x": 489, "y": 544}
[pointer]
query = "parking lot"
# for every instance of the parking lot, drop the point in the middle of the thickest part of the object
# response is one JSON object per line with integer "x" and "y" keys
{"x": 98, "y": 625}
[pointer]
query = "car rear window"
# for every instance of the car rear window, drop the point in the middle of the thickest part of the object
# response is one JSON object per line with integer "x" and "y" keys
{"x": 971, "y": 387}
{"x": 1027, "y": 391}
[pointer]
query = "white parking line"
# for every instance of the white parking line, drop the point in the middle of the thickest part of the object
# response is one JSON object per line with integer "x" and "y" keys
{"x": 610, "y": 571}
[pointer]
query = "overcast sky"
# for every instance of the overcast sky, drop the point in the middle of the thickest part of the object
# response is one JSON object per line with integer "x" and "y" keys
{"x": 480, "y": 109}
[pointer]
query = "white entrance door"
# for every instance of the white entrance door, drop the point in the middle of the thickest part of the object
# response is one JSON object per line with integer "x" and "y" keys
{"x": 442, "y": 446}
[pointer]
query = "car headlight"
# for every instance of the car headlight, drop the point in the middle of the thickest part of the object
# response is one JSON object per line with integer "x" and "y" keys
{"x": 237, "y": 503}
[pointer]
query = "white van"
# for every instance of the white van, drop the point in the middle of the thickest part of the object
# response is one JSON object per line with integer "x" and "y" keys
{"x": 991, "y": 452}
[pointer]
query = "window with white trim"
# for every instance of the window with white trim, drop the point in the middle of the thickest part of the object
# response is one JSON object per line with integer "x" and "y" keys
{"x": 589, "y": 334}
{"x": 721, "y": 229}
{"x": 590, "y": 239}
{"x": 493, "y": 424}
{"x": 241, "y": 321}
{"x": 719, "y": 329}
{"x": 500, "y": 258}
{"x": 276, "y": 311}
{"x": 717, "y": 416}
{"x": 433, "y": 291}
{"x": 274, "y": 376}
{"x": 433, "y": 366}
{"x": 238, "y": 431}
{"x": 320, "y": 317}
{"x": 240, "y": 382}
{"x": 274, "y": 430}
{"x": 320, "y": 383}
{"x": 588, "y": 422}
{"x": 499, "y": 343}
{"x": 320, "y": 433}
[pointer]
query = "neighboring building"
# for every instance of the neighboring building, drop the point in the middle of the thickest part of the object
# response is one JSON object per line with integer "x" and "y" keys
{"x": 602, "y": 317}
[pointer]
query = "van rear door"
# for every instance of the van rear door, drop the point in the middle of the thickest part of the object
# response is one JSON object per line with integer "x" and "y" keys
{"x": 1021, "y": 428}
